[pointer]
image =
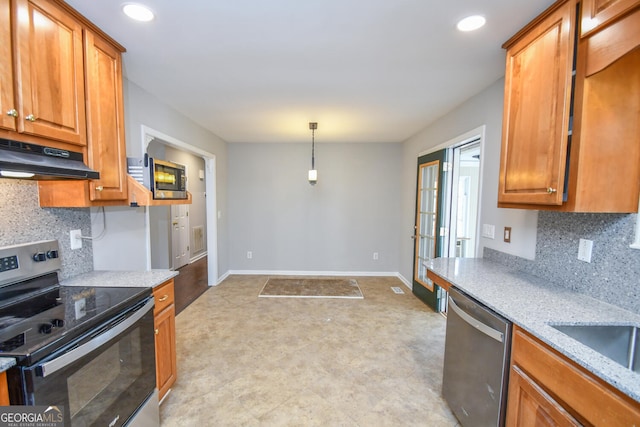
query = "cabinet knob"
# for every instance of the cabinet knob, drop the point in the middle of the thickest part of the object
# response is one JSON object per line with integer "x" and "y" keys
{"x": 12, "y": 113}
{"x": 157, "y": 331}
{"x": 551, "y": 190}
{"x": 31, "y": 118}
{"x": 99, "y": 188}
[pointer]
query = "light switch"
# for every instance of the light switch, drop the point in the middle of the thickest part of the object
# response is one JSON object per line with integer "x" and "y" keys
{"x": 489, "y": 231}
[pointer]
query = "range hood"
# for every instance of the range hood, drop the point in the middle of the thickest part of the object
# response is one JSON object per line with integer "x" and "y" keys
{"x": 30, "y": 161}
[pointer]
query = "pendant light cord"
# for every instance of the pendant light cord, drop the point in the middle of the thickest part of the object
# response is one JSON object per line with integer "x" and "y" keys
{"x": 313, "y": 148}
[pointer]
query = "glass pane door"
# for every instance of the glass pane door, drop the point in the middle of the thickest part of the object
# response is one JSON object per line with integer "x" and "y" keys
{"x": 430, "y": 229}
{"x": 427, "y": 217}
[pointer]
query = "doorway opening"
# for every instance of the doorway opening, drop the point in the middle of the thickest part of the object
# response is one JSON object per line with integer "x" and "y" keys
{"x": 447, "y": 209}
{"x": 209, "y": 229}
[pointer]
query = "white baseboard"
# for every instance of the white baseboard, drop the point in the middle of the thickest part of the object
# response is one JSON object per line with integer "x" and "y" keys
{"x": 406, "y": 282}
{"x": 313, "y": 273}
{"x": 221, "y": 279}
{"x": 198, "y": 257}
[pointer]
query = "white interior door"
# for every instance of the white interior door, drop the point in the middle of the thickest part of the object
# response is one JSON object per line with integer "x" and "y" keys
{"x": 465, "y": 200}
{"x": 179, "y": 235}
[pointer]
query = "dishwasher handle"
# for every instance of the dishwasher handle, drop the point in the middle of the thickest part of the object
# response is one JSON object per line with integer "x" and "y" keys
{"x": 485, "y": 329}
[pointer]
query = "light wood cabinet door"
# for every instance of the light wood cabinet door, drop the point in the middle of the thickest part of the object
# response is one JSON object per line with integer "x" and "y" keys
{"x": 597, "y": 14}
{"x": 4, "y": 390}
{"x": 547, "y": 387}
{"x": 7, "y": 100}
{"x": 50, "y": 72}
{"x": 536, "y": 110}
{"x": 165, "y": 329}
{"x": 531, "y": 406}
{"x": 105, "y": 119}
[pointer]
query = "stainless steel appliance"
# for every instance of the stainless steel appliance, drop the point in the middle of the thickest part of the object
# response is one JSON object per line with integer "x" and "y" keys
{"x": 23, "y": 160}
{"x": 476, "y": 360}
{"x": 88, "y": 350}
{"x": 165, "y": 180}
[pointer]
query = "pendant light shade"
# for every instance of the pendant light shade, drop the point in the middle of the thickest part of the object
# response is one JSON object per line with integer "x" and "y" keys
{"x": 313, "y": 173}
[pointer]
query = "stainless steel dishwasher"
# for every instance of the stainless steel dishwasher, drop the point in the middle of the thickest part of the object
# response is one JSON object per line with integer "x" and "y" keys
{"x": 476, "y": 362}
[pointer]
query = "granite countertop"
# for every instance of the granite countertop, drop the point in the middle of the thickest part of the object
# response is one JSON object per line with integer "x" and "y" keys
{"x": 6, "y": 363}
{"x": 143, "y": 279}
{"x": 533, "y": 303}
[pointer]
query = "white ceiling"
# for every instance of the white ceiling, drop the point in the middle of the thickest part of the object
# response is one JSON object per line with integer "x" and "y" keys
{"x": 365, "y": 70}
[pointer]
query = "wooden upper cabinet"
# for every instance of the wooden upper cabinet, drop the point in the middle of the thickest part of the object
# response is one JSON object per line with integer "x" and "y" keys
{"x": 105, "y": 115}
{"x": 7, "y": 101}
{"x": 595, "y": 165}
{"x": 50, "y": 72}
{"x": 597, "y": 14}
{"x": 536, "y": 109}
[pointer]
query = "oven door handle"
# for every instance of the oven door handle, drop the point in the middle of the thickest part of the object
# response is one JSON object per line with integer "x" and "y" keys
{"x": 66, "y": 359}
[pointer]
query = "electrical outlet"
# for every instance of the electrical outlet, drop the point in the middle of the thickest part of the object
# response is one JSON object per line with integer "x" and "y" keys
{"x": 507, "y": 234}
{"x": 584, "y": 250}
{"x": 81, "y": 308}
{"x": 375, "y": 256}
{"x": 249, "y": 255}
{"x": 76, "y": 239}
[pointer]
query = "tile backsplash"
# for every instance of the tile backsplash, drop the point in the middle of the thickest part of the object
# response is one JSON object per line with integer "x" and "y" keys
{"x": 23, "y": 220}
{"x": 612, "y": 276}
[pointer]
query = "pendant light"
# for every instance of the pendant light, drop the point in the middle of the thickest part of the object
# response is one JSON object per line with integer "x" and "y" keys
{"x": 313, "y": 173}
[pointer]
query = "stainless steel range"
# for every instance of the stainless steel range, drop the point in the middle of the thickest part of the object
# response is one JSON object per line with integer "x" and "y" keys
{"x": 88, "y": 350}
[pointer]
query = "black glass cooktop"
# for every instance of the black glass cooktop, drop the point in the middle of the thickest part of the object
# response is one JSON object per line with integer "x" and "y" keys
{"x": 38, "y": 316}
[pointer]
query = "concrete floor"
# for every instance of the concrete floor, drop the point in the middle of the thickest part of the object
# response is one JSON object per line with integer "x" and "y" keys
{"x": 244, "y": 360}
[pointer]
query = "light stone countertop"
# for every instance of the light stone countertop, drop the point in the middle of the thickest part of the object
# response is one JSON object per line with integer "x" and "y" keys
{"x": 533, "y": 303}
{"x": 6, "y": 363}
{"x": 142, "y": 279}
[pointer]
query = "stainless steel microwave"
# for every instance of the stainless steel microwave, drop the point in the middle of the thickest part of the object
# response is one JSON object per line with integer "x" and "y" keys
{"x": 165, "y": 180}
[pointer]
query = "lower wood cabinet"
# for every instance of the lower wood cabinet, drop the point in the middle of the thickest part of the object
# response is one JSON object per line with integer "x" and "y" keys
{"x": 531, "y": 406}
{"x": 547, "y": 389}
{"x": 4, "y": 390}
{"x": 165, "y": 333}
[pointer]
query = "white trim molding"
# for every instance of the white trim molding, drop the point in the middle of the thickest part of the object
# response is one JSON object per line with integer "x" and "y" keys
{"x": 636, "y": 242}
{"x": 313, "y": 273}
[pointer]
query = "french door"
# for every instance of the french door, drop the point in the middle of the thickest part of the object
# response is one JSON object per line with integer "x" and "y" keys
{"x": 429, "y": 224}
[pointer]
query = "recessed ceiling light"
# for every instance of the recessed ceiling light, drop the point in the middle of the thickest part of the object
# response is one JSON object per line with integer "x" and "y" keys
{"x": 471, "y": 23}
{"x": 137, "y": 12}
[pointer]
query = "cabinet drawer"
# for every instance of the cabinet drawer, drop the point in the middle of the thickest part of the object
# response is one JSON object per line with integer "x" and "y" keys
{"x": 584, "y": 395}
{"x": 164, "y": 296}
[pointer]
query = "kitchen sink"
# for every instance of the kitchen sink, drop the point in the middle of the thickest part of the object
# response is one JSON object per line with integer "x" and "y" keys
{"x": 617, "y": 342}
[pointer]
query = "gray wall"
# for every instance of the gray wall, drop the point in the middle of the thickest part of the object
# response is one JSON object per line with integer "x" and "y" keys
{"x": 124, "y": 246}
{"x": 22, "y": 220}
{"x": 336, "y": 225}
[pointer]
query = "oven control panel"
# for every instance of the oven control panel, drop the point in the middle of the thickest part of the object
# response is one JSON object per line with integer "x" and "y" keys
{"x": 26, "y": 260}
{"x": 8, "y": 263}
